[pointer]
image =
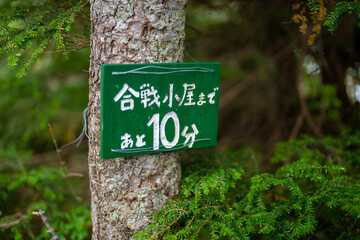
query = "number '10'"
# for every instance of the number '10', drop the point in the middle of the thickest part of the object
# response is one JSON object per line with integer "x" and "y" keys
{"x": 159, "y": 130}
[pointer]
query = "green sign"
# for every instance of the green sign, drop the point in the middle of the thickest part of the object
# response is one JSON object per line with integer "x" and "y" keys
{"x": 148, "y": 108}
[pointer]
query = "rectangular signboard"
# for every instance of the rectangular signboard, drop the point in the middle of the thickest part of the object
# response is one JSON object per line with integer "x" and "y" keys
{"x": 148, "y": 108}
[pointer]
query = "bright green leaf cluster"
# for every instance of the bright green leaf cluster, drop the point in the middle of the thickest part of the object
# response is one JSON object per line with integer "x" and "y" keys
{"x": 32, "y": 26}
{"x": 340, "y": 10}
{"x": 310, "y": 190}
{"x": 204, "y": 201}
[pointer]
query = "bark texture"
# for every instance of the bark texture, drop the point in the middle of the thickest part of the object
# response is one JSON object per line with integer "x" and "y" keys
{"x": 126, "y": 191}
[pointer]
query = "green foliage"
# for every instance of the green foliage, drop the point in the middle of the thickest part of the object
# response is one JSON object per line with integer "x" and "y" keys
{"x": 33, "y": 25}
{"x": 29, "y": 178}
{"x": 204, "y": 201}
{"x": 27, "y": 182}
{"x": 210, "y": 180}
{"x": 322, "y": 13}
{"x": 341, "y": 150}
{"x": 25, "y": 115}
{"x": 312, "y": 195}
{"x": 341, "y": 9}
{"x": 40, "y": 189}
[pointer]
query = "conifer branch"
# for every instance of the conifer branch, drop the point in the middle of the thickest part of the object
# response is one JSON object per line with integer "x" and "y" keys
{"x": 310, "y": 181}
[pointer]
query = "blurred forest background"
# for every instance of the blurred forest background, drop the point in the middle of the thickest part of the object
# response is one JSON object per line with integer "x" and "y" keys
{"x": 288, "y": 71}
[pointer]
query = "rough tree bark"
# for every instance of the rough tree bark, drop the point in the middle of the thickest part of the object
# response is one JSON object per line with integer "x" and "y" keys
{"x": 126, "y": 191}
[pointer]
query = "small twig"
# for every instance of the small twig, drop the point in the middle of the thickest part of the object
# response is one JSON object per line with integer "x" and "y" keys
{"x": 298, "y": 125}
{"x": 18, "y": 219}
{"x": 47, "y": 224}
{"x": 77, "y": 36}
{"x": 68, "y": 50}
{"x": 75, "y": 175}
{"x": 202, "y": 32}
{"x": 62, "y": 163}
{"x": 304, "y": 108}
{"x": 352, "y": 225}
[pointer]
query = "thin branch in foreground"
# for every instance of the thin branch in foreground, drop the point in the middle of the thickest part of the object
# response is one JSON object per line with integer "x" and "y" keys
{"x": 62, "y": 163}
{"x": 51, "y": 230}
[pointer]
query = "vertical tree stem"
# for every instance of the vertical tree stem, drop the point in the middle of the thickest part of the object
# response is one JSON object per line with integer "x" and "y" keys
{"x": 125, "y": 192}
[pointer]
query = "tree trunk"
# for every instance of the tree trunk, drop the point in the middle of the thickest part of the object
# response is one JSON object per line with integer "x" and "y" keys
{"x": 125, "y": 192}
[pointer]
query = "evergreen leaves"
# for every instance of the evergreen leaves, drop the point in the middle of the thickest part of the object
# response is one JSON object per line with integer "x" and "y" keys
{"x": 311, "y": 189}
{"x": 211, "y": 181}
{"x": 203, "y": 204}
{"x": 340, "y": 10}
{"x": 33, "y": 25}
{"x": 322, "y": 13}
